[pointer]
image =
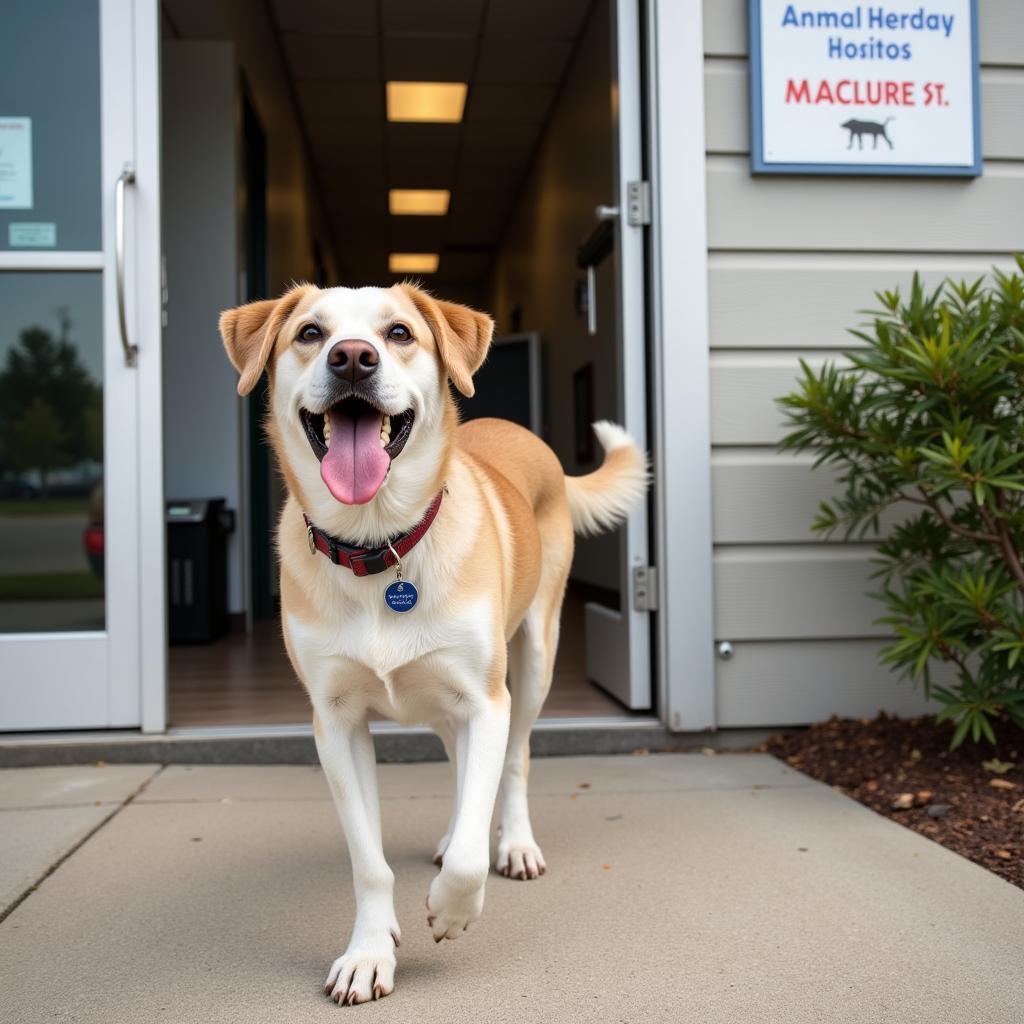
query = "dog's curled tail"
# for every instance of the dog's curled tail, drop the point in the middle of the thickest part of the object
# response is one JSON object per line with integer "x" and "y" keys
{"x": 603, "y": 499}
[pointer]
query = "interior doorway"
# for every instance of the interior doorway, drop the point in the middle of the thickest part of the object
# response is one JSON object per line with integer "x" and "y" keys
{"x": 534, "y": 156}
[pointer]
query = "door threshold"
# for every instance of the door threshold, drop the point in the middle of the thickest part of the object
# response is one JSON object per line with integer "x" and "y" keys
{"x": 293, "y": 744}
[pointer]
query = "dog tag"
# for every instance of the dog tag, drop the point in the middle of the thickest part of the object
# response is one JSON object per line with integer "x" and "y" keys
{"x": 401, "y": 596}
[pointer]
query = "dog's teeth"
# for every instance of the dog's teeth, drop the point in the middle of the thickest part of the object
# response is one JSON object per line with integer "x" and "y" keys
{"x": 327, "y": 431}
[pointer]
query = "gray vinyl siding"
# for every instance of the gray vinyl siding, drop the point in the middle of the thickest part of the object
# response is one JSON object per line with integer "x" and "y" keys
{"x": 790, "y": 261}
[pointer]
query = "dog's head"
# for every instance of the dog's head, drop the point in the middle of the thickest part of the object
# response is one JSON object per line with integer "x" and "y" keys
{"x": 360, "y": 411}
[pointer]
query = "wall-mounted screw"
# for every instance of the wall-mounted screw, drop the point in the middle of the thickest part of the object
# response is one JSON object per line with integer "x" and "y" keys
{"x": 725, "y": 650}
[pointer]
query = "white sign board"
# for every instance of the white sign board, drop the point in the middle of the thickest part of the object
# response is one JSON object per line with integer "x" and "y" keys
{"x": 861, "y": 88}
{"x": 15, "y": 163}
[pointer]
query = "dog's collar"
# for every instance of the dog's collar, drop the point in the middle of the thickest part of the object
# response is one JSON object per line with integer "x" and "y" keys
{"x": 370, "y": 561}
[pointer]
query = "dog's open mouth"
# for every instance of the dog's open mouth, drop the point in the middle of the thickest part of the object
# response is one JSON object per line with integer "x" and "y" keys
{"x": 356, "y": 443}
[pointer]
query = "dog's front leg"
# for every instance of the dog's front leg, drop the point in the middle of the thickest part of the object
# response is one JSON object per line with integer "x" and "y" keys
{"x": 457, "y": 894}
{"x": 366, "y": 970}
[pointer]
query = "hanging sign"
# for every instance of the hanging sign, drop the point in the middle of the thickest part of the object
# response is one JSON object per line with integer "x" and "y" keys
{"x": 861, "y": 88}
{"x": 15, "y": 163}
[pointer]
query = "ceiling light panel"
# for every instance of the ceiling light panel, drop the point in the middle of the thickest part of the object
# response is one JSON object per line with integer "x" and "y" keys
{"x": 434, "y": 102}
{"x": 418, "y": 202}
{"x": 413, "y": 262}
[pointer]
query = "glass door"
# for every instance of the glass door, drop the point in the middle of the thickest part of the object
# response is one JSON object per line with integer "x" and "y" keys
{"x": 77, "y": 345}
{"x": 618, "y": 640}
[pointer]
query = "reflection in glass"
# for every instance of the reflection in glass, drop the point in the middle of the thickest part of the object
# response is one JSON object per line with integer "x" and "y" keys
{"x": 51, "y": 452}
{"x": 50, "y": 100}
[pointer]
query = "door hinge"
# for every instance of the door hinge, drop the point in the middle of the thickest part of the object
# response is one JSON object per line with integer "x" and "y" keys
{"x": 645, "y": 588}
{"x": 638, "y": 203}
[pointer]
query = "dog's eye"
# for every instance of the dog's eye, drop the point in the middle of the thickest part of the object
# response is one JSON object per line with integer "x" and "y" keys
{"x": 310, "y": 333}
{"x": 399, "y": 333}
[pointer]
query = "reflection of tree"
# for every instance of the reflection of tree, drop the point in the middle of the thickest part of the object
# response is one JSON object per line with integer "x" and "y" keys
{"x": 50, "y": 408}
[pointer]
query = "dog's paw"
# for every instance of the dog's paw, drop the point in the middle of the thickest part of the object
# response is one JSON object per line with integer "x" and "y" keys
{"x": 365, "y": 971}
{"x": 453, "y": 905}
{"x": 521, "y": 860}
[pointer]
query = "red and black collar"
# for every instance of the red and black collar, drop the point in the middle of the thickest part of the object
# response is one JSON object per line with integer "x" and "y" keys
{"x": 370, "y": 561}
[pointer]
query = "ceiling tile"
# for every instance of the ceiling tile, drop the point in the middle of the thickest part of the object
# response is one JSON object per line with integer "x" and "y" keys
{"x": 466, "y": 266}
{"x": 352, "y": 16}
{"x": 535, "y": 17}
{"x": 504, "y": 63}
{"x": 329, "y": 56}
{"x": 432, "y": 16}
{"x": 409, "y": 141}
{"x": 475, "y": 229}
{"x": 411, "y": 174}
{"x": 509, "y": 102}
{"x": 343, "y": 135}
{"x": 416, "y": 234}
{"x": 501, "y": 134}
{"x": 425, "y": 59}
{"x": 330, "y": 100}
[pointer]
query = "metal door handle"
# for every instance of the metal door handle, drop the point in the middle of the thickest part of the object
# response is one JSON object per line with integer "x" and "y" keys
{"x": 591, "y": 300}
{"x": 127, "y": 177}
{"x": 603, "y": 212}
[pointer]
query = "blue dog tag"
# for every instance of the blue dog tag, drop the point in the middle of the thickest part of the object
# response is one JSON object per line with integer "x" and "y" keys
{"x": 401, "y": 596}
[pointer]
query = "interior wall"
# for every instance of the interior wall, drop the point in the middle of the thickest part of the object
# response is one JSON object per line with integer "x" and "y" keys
{"x": 205, "y": 421}
{"x": 535, "y": 269}
{"x": 202, "y": 428}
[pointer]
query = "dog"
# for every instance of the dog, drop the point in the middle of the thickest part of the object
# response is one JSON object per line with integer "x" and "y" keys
{"x": 423, "y": 565}
{"x": 858, "y": 129}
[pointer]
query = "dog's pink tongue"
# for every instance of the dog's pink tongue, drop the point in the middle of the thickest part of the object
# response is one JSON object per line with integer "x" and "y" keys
{"x": 355, "y": 464}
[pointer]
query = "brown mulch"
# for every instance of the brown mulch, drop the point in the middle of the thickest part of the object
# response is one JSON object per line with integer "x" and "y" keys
{"x": 904, "y": 769}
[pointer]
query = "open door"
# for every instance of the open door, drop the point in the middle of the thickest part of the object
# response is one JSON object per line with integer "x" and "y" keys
{"x": 618, "y": 643}
{"x": 81, "y": 561}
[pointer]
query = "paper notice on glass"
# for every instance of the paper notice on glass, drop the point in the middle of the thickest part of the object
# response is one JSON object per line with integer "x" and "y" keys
{"x": 15, "y": 163}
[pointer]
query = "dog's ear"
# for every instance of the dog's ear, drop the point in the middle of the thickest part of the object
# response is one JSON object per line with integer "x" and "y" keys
{"x": 462, "y": 335}
{"x": 249, "y": 333}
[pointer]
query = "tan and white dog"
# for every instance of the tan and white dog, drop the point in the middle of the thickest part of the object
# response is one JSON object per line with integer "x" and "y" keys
{"x": 366, "y": 434}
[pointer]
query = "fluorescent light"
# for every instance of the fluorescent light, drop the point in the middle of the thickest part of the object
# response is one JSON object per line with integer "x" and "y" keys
{"x": 413, "y": 262}
{"x": 419, "y": 202}
{"x": 426, "y": 101}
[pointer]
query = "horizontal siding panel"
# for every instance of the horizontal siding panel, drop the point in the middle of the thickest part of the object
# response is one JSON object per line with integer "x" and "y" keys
{"x": 1000, "y": 30}
{"x": 759, "y": 497}
{"x": 909, "y": 215}
{"x": 771, "y": 684}
{"x": 795, "y": 593}
{"x": 744, "y": 387}
{"x": 769, "y": 301}
{"x": 727, "y": 107}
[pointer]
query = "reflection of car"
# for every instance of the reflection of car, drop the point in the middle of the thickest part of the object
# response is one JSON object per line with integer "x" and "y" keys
{"x": 93, "y": 535}
{"x": 13, "y": 487}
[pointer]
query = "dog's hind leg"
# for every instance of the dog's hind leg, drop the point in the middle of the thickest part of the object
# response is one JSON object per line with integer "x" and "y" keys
{"x": 531, "y": 663}
{"x": 366, "y": 970}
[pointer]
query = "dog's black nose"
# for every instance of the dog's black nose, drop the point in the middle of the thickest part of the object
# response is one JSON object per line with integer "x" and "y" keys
{"x": 353, "y": 359}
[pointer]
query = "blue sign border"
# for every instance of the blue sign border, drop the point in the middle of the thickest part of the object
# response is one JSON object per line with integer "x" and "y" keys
{"x": 758, "y": 165}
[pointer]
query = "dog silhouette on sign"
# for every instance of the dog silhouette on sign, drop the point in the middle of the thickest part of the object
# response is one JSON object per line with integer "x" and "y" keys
{"x": 858, "y": 129}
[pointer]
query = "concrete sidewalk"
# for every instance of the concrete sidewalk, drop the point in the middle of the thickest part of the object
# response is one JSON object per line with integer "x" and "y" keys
{"x": 680, "y": 888}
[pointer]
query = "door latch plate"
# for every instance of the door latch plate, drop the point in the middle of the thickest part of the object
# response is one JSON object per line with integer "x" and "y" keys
{"x": 645, "y": 588}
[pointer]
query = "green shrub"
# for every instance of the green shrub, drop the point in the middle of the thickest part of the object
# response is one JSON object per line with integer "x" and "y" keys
{"x": 929, "y": 417}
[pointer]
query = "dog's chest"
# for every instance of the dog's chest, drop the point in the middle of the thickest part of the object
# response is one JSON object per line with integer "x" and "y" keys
{"x": 409, "y": 666}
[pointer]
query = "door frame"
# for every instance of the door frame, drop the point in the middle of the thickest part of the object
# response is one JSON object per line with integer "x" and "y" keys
{"x": 150, "y": 300}
{"x": 681, "y": 365}
{"x": 130, "y": 644}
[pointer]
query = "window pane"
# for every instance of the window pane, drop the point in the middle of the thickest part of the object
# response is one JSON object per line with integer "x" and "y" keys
{"x": 50, "y": 125}
{"x": 51, "y": 452}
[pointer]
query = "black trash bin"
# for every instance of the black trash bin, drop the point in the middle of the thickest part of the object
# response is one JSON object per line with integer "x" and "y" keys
{"x": 197, "y": 569}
